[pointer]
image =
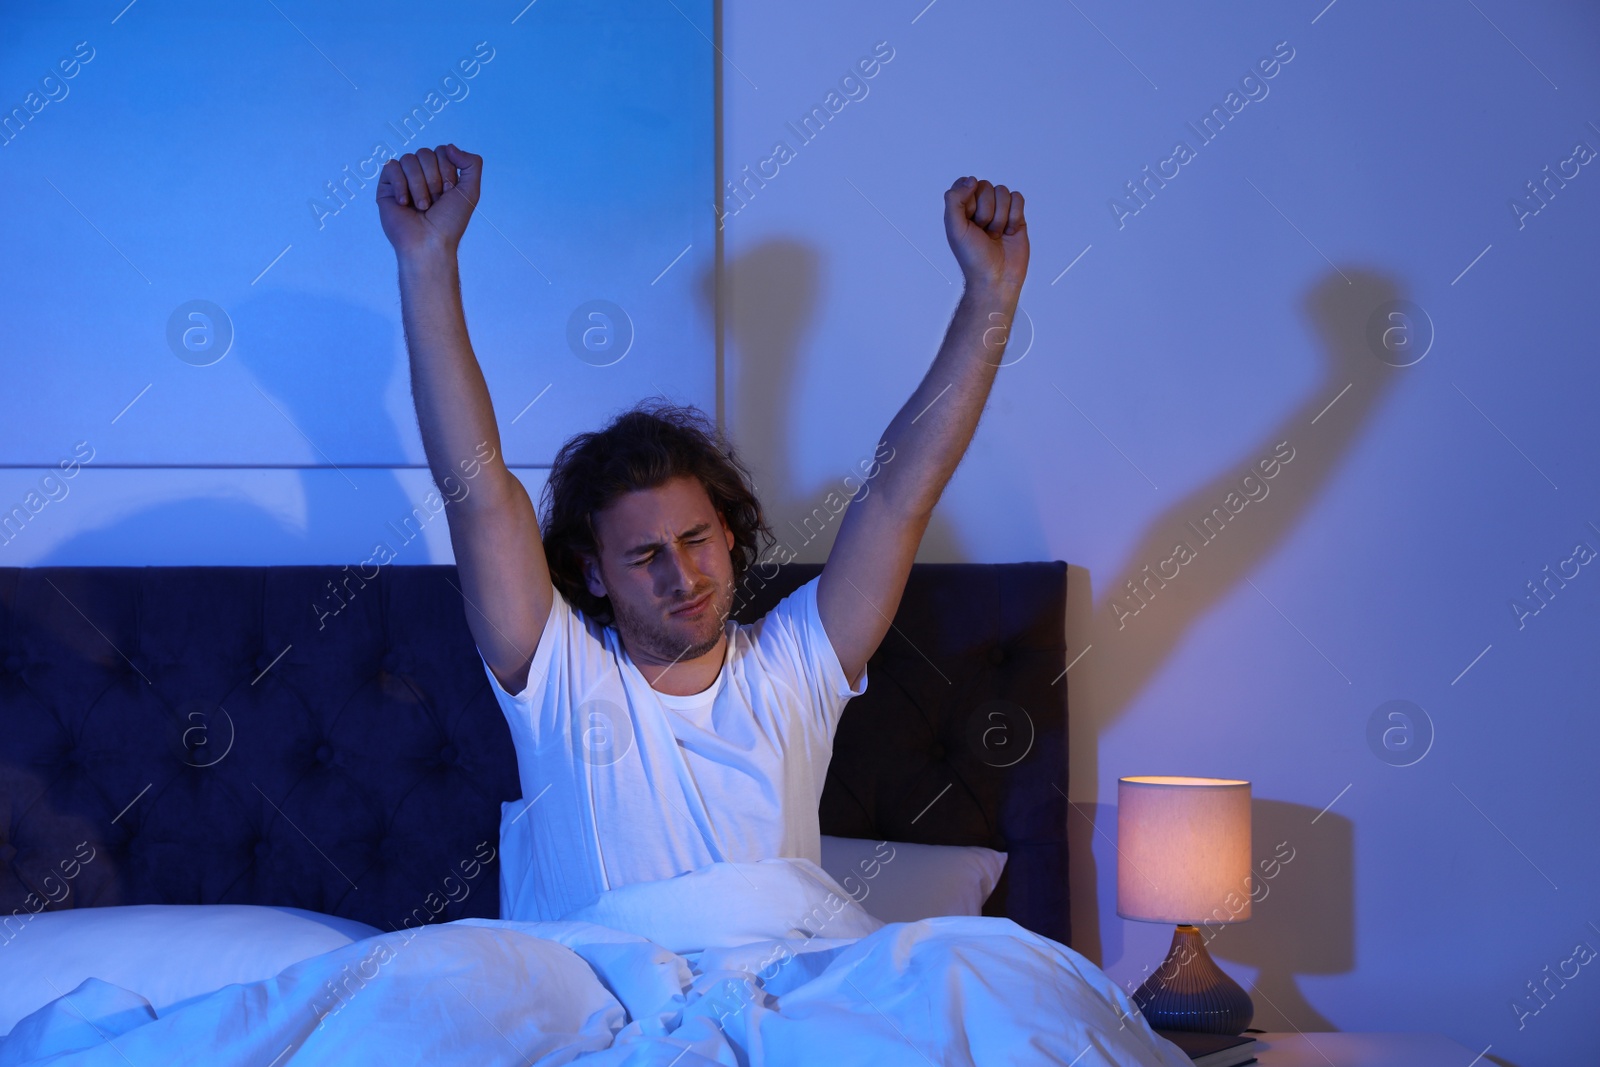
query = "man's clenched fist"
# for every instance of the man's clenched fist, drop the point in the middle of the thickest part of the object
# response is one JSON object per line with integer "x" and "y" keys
{"x": 987, "y": 232}
{"x": 425, "y": 198}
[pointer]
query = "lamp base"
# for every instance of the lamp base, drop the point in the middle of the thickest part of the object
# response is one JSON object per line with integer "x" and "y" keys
{"x": 1190, "y": 992}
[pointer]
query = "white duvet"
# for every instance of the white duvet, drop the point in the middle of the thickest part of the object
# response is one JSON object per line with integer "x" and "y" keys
{"x": 738, "y": 963}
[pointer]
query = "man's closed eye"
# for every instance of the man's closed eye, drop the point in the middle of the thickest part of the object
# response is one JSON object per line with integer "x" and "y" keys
{"x": 641, "y": 562}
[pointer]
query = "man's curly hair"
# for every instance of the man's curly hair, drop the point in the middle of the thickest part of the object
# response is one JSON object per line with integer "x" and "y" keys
{"x": 642, "y": 448}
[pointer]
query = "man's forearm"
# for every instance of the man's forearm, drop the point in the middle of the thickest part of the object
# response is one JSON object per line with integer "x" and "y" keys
{"x": 932, "y": 430}
{"x": 454, "y": 412}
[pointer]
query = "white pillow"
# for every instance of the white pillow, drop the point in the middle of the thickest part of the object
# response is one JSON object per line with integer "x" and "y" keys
{"x": 901, "y": 883}
{"x": 892, "y": 880}
{"x": 724, "y": 905}
{"x": 164, "y": 952}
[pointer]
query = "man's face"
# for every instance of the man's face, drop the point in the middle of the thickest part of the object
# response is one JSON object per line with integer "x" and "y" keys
{"x": 660, "y": 550}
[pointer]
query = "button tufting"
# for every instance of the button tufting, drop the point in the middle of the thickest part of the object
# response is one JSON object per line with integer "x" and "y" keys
{"x": 937, "y": 753}
{"x": 997, "y": 656}
{"x": 262, "y": 848}
{"x": 7, "y": 852}
{"x": 324, "y": 754}
{"x": 448, "y": 754}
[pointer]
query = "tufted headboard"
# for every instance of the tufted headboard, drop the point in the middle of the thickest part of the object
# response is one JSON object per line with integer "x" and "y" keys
{"x": 322, "y": 738}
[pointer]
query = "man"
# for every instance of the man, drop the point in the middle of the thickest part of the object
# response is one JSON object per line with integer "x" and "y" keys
{"x": 653, "y": 734}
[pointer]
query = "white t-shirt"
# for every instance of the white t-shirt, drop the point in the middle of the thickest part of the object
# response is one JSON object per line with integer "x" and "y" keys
{"x": 624, "y": 784}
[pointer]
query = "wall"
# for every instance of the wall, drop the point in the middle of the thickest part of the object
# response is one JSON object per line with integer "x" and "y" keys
{"x": 201, "y": 310}
{"x": 1235, "y": 312}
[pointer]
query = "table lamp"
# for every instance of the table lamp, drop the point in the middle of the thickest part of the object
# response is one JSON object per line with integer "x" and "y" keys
{"x": 1183, "y": 856}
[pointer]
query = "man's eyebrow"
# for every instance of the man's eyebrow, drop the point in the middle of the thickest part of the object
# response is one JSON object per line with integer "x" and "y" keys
{"x": 639, "y": 550}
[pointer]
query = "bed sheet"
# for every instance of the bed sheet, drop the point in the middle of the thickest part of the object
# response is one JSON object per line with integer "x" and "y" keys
{"x": 738, "y": 964}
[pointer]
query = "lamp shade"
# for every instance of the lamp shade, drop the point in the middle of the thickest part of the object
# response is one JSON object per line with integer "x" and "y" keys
{"x": 1183, "y": 849}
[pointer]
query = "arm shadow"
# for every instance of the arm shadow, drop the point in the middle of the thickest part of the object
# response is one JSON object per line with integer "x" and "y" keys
{"x": 777, "y": 285}
{"x": 1138, "y": 618}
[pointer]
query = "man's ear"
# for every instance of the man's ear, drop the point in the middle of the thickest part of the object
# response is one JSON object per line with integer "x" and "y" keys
{"x": 591, "y": 575}
{"x": 727, "y": 531}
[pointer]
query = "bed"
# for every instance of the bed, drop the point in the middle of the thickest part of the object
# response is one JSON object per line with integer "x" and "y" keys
{"x": 319, "y": 746}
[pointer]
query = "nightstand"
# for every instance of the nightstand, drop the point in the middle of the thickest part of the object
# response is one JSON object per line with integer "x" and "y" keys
{"x": 1360, "y": 1050}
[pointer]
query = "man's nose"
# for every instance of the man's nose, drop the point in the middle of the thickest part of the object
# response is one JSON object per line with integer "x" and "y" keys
{"x": 681, "y": 572}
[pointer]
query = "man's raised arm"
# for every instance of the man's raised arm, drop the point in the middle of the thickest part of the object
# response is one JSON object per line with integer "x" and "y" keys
{"x": 860, "y": 587}
{"x": 424, "y": 202}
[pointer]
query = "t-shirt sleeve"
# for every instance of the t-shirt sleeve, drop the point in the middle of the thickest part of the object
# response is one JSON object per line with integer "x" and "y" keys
{"x": 533, "y": 706}
{"x": 791, "y": 639}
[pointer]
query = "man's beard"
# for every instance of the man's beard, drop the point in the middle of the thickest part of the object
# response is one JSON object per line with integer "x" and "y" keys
{"x": 662, "y": 640}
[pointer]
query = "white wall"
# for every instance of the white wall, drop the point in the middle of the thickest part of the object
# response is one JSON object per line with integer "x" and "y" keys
{"x": 160, "y": 154}
{"x": 1184, "y": 344}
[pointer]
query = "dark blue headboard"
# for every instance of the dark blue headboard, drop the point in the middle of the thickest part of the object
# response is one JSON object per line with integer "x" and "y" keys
{"x": 324, "y": 738}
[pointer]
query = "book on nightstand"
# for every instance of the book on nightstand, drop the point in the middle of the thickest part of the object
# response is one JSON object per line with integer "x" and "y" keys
{"x": 1213, "y": 1050}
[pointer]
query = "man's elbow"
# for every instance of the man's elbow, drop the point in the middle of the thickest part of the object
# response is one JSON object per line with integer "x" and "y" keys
{"x": 908, "y": 500}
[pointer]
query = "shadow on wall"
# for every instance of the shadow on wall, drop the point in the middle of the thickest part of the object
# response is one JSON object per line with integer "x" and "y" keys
{"x": 1229, "y": 525}
{"x": 1192, "y": 556}
{"x": 324, "y": 364}
{"x": 1303, "y": 921}
{"x": 773, "y": 290}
